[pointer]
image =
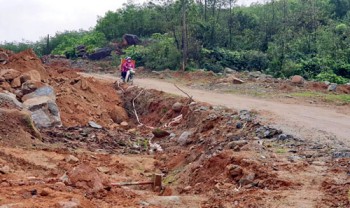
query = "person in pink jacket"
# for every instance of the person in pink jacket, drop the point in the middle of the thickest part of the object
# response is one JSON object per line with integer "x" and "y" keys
{"x": 126, "y": 66}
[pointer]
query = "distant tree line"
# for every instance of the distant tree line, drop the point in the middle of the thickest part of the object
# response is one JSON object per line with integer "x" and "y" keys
{"x": 280, "y": 37}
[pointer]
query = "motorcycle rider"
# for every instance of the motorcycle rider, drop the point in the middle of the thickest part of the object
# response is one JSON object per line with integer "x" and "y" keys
{"x": 126, "y": 68}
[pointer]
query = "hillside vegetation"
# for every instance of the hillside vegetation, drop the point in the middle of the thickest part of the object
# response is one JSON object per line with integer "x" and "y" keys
{"x": 282, "y": 38}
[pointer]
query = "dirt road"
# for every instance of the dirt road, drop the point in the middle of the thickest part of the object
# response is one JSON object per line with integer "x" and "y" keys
{"x": 307, "y": 122}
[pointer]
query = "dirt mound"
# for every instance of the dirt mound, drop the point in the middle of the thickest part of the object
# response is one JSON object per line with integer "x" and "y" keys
{"x": 26, "y": 61}
{"x": 17, "y": 128}
{"x": 79, "y": 99}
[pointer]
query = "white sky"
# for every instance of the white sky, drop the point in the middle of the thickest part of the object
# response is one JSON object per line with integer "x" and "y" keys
{"x": 32, "y": 19}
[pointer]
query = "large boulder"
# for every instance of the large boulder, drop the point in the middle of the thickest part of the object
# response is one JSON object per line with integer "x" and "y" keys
{"x": 297, "y": 79}
{"x": 100, "y": 53}
{"x": 129, "y": 39}
{"x": 42, "y": 105}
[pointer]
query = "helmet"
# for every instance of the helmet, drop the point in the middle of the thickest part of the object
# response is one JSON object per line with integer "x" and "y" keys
{"x": 128, "y": 58}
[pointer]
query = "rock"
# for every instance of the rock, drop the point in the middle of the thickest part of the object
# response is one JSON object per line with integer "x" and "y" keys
{"x": 31, "y": 86}
{"x": 44, "y": 111}
{"x": 16, "y": 82}
{"x": 130, "y": 39}
{"x": 118, "y": 114}
{"x": 5, "y": 86}
{"x": 282, "y": 137}
{"x": 100, "y": 53}
{"x": 94, "y": 125}
{"x": 124, "y": 124}
{"x": 239, "y": 143}
{"x": 332, "y": 87}
{"x": 248, "y": 179}
{"x": 44, "y": 192}
{"x": 294, "y": 158}
{"x": 267, "y": 132}
{"x": 4, "y": 58}
{"x": 235, "y": 80}
{"x": 327, "y": 83}
{"x": 84, "y": 85}
{"x": 187, "y": 188}
{"x": 297, "y": 79}
{"x": 341, "y": 154}
{"x": 68, "y": 204}
{"x": 239, "y": 125}
{"x": 245, "y": 115}
{"x": 71, "y": 159}
{"x": 255, "y": 74}
{"x": 229, "y": 70}
{"x": 235, "y": 171}
{"x": 9, "y": 74}
{"x": 159, "y": 133}
{"x": 87, "y": 177}
{"x": 5, "y": 170}
{"x": 184, "y": 138}
{"x": 32, "y": 75}
{"x": 177, "y": 107}
{"x": 103, "y": 169}
{"x": 8, "y": 100}
{"x": 46, "y": 91}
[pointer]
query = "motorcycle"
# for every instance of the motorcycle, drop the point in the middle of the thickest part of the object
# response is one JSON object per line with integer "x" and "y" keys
{"x": 129, "y": 78}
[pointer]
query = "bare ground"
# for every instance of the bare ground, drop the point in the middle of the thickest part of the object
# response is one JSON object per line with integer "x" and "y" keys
{"x": 327, "y": 124}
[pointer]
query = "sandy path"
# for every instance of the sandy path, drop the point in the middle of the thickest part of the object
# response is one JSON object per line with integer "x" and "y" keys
{"x": 308, "y": 122}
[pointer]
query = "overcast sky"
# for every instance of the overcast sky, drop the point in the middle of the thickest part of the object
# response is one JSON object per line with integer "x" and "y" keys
{"x": 33, "y": 19}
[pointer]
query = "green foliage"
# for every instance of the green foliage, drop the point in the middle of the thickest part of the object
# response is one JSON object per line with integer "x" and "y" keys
{"x": 331, "y": 77}
{"x": 215, "y": 60}
{"x": 283, "y": 38}
{"x": 67, "y": 42}
{"x": 159, "y": 55}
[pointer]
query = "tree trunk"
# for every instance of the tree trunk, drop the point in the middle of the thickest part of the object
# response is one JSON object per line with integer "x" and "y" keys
{"x": 184, "y": 35}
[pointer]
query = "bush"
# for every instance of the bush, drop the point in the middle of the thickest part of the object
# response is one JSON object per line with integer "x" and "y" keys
{"x": 215, "y": 60}
{"x": 159, "y": 55}
{"x": 331, "y": 77}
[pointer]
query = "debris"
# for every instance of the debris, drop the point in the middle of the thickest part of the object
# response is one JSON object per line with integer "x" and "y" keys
{"x": 159, "y": 133}
{"x": 5, "y": 169}
{"x": 190, "y": 97}
{"x": 94, "y": 125}
{"x": 71, "y": 159}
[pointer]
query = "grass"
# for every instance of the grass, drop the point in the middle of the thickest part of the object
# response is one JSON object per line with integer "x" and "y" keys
{"x": 281, "y": 151}
{"x": 344, "y": 98}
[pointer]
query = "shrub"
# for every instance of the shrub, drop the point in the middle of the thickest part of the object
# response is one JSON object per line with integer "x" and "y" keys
{"x": 159, "y": 55}
{"x": 331, "y": 77}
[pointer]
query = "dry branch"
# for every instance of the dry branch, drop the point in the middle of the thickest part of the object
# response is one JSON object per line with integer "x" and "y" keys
{"x": 190, "y": 97}
{"x": 133, "y": 105}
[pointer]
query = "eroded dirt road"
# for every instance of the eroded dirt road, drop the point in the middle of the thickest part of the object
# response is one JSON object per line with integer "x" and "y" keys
{"x": 313, "y": 123}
